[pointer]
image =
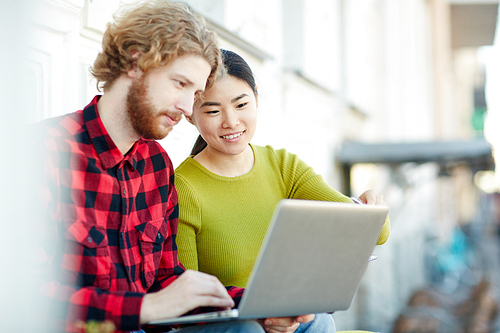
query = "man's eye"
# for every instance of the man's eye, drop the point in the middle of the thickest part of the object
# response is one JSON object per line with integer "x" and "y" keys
{"x": 241, "y": 105}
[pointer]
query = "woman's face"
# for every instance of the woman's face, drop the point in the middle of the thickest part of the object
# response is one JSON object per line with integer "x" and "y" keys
{"x": 226, "y": 116}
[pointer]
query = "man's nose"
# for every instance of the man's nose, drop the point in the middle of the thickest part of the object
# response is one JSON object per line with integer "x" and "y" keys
{"x": 185, "y": 104}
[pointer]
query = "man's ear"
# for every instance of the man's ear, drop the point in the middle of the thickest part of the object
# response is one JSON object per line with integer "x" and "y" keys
{"x": 134, "y": 70}
{"x": 188, "y": 118}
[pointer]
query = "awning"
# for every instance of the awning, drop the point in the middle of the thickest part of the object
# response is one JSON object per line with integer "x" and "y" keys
{"x": 418, "y": 152}
{"x": 473, "y": 22}
{"x": 477, "y": 153}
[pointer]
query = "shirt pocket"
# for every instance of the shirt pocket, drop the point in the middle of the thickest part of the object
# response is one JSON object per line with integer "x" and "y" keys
{"x": 86, "y": 260}
{"x": 152, "y": 236}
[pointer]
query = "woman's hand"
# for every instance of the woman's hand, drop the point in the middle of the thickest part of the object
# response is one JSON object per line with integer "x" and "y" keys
{"x": 371, "y": 197}
{"x": 285, "y": 324}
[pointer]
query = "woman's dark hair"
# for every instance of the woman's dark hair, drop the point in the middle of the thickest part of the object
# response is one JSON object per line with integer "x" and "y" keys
{"x": 236, "y": 66}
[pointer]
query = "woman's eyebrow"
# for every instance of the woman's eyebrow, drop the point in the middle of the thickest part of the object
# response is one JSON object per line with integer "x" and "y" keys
{"x": 210, "y": 104}
{"x": 238, "y": 97}
{"x": 219, "y": 104}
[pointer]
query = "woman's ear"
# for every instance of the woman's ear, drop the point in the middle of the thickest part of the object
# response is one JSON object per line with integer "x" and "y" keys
{"x": 256, "y": 96}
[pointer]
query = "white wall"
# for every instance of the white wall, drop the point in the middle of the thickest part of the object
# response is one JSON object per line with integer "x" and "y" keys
{"x": 19, "y": 238}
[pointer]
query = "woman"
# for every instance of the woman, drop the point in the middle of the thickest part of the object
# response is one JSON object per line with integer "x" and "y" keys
{"x": 228, "y": 188}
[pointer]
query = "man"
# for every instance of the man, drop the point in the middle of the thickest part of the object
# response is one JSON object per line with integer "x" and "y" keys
{"x": 108, "y": 186}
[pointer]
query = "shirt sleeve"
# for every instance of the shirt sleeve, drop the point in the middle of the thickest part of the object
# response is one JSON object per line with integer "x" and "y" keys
{"x": 303, "y": 183}
{"x": 90, "y": 303}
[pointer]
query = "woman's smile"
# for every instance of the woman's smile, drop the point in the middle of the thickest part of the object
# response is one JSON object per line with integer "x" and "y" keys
{"x": 233, "y": 136}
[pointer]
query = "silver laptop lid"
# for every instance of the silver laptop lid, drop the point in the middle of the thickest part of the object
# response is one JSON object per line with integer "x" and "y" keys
{"x": 312, "y": 258}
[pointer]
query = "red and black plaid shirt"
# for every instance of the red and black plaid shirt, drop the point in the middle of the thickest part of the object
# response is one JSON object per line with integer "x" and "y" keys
{"x": 114, "y": 218}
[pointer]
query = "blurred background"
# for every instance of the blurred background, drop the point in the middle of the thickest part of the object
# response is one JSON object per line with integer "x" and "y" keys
{"x": 399, "y": 96}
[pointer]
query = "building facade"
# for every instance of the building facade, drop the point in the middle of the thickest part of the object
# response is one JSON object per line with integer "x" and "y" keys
{"x": 328, "y": 72}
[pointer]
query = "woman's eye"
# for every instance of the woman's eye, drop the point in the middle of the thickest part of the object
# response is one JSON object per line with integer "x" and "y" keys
{"x": 180, "y": 83}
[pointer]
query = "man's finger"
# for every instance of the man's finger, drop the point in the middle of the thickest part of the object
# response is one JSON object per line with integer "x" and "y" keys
{"x": 207, "y": 300}
{"x": 203, "y": 283}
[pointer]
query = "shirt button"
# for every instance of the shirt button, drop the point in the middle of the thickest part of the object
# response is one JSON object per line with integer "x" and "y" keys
{"x": 123, "y": 192}
{"x": 159, "y": 235}
{"x": 121, "y": 234}
{"x": 89, "y": 239}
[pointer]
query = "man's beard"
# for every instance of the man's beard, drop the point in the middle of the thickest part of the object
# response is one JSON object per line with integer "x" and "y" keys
{"x": 144, "y": 118}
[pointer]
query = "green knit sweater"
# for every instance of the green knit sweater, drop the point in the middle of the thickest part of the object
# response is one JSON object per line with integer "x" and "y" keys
{"x": 223, "y": 220}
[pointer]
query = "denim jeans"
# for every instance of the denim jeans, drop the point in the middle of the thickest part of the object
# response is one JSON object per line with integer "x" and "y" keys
{"x": 240, "y": 326}
{"x": 322, "y": 323}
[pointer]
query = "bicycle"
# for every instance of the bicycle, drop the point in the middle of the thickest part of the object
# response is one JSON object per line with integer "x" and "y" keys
{"x": 453, "y": 263}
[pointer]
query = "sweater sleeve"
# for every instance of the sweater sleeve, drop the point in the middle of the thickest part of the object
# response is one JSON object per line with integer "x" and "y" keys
{"x": 302, "y": 182}
{"x": 189, "y": 224}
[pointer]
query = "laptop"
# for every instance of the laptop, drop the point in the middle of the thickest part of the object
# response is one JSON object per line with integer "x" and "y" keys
{"x": 311, "y": 260}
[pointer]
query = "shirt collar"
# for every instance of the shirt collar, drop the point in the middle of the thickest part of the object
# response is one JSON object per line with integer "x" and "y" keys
{"x": 108, "y": 152}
